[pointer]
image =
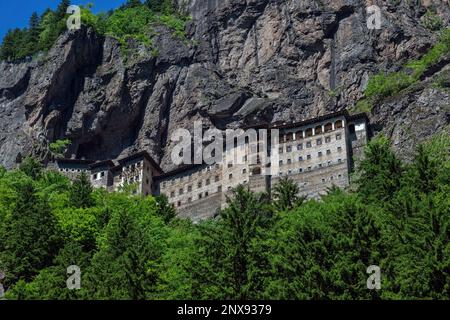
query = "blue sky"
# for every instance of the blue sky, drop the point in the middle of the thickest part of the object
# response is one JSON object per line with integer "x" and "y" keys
{"x": 16, "y": 13}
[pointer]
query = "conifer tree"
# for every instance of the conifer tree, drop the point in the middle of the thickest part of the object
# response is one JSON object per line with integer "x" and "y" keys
{"x": 81, "y": 192}
{"x": 29, "y": 236}
{"x": 286, "y": 195}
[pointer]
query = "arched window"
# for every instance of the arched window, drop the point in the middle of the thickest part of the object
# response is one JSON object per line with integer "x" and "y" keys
{"x": 328, "y": 127}
{"x": 309, "y": 132}
{"x": 338, "y": 124}
{"x": 299, "y": 135}
{"x": 318, "y": 129}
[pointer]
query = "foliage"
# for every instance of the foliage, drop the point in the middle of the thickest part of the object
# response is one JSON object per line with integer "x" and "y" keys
{"x": 131, "y": 22}
{"x": 384, "y": 85}
{"x": 285, "y": 194}
{"x": 129, "y": 247}
{"x": 59, "y": 146}
{"x": 81, "y": 192}
{"x": 432, "y": 21}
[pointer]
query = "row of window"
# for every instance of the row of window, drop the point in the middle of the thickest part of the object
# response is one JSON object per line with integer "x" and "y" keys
{"x": 309, "y": 157}
{"x": 199, "y": 185}
{"x": 199, "y": 196}
{"x": 310, "y": 168}
{"x": 189, "y": 177}
{"x": 308, "y": 144}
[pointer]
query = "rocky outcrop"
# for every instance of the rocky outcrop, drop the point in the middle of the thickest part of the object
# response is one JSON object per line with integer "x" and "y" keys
{"x": 244, "y": 62}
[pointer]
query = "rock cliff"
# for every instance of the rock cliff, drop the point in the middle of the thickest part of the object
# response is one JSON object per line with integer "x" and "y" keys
{"x": 244, "y": 62}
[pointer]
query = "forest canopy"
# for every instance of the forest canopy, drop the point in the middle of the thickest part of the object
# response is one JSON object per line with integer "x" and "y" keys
{"x": 395, "y": 215}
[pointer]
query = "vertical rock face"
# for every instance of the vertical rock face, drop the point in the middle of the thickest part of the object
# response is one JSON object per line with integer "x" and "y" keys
{"x": 246, "y": 62}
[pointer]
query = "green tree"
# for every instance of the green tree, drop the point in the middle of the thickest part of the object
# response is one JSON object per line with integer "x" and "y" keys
{"x": 165, "y": 209}
{"x": 61, "y": 10}
{"x": 33, "y": 34}
{"x": 229, "y": 262}
{"x": 380, "y": 171}
{"x": 29, "y": 235}
{"x": 125, "y": 267}
{"x": 31, "y": 167}
{"x": 286, "y": 195}
{"x": 59, "y": 147}
{"x": 81, "y": 192}
{"x": 132, "y": 3}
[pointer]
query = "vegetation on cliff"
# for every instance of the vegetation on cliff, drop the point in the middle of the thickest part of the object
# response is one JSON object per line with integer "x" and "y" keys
{"x": 384, "y": 84}
{"x": 132, "y": 21}
{"x": 128, "y": 247}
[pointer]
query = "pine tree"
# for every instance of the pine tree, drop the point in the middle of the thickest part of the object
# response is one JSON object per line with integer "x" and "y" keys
{"x": 31, "y": 167}
{"x": 33, "y": 34}
{"x": 380, "y": 171}
{"x": 286, "y": 195}
{"x": 165, "y": 209}
{"x": 61, "y": 10}
{"x": 133, "y": 3}
{"x": 81, "y": 192}
{"x": 30, "y": 238}
{"x": 229, "y": 262}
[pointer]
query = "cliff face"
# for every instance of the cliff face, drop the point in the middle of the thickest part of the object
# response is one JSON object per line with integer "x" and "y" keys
{"x": 246, "y": 62}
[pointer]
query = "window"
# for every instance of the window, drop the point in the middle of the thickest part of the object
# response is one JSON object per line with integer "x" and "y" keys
{"x": 319, "y": 142}
{"x": 208, "y": 182}
{"x": 200, "y": 195}
{"x": 289, "y": 149}
{"x": 230, "y": 165}
{"x": 280, "y": 150}
{"x": 328, "y": 151}
{"x": 338, "y": 137}
{"x": 300, "y": 147}
{"x": 309, "y": 168}
{"x": 230, "y": 176}
{"x": 339, "y": 160}
{"x": 320, "y": 154}
{"x": 323, "y": 180}
{"x": 163, "y": 184}
{"x": 199, "y": 184}
{"x": 339, "y": 149}
{"x": 189, "y": 200}
{"x": 95, "y": 176}
{"x": 206, "y": 194}
{"x": 219, "y": 189}
{"x": 300, "y": 159}
{"x": 300, "y": 170}
{"x": 189, "y": 188}
{"x": 308, "y": 157}
{"x": 281, "y": 173}
{"x": 181, "y": 191}
{"x": 217, "y": 178}
{"x": 281, "y": 162}
{"x": 172, "y": 194}
{"x": 148, "y": 182}
{"x": 244, "y": 171}
{"x": 320, "y": 165}
{"x": 289, "y": 161}
{"x": 327, "y": 139}
{"x": 309, "y": 144}
{"x": 329, "y": 163}
{"x": 179, "y": 203}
